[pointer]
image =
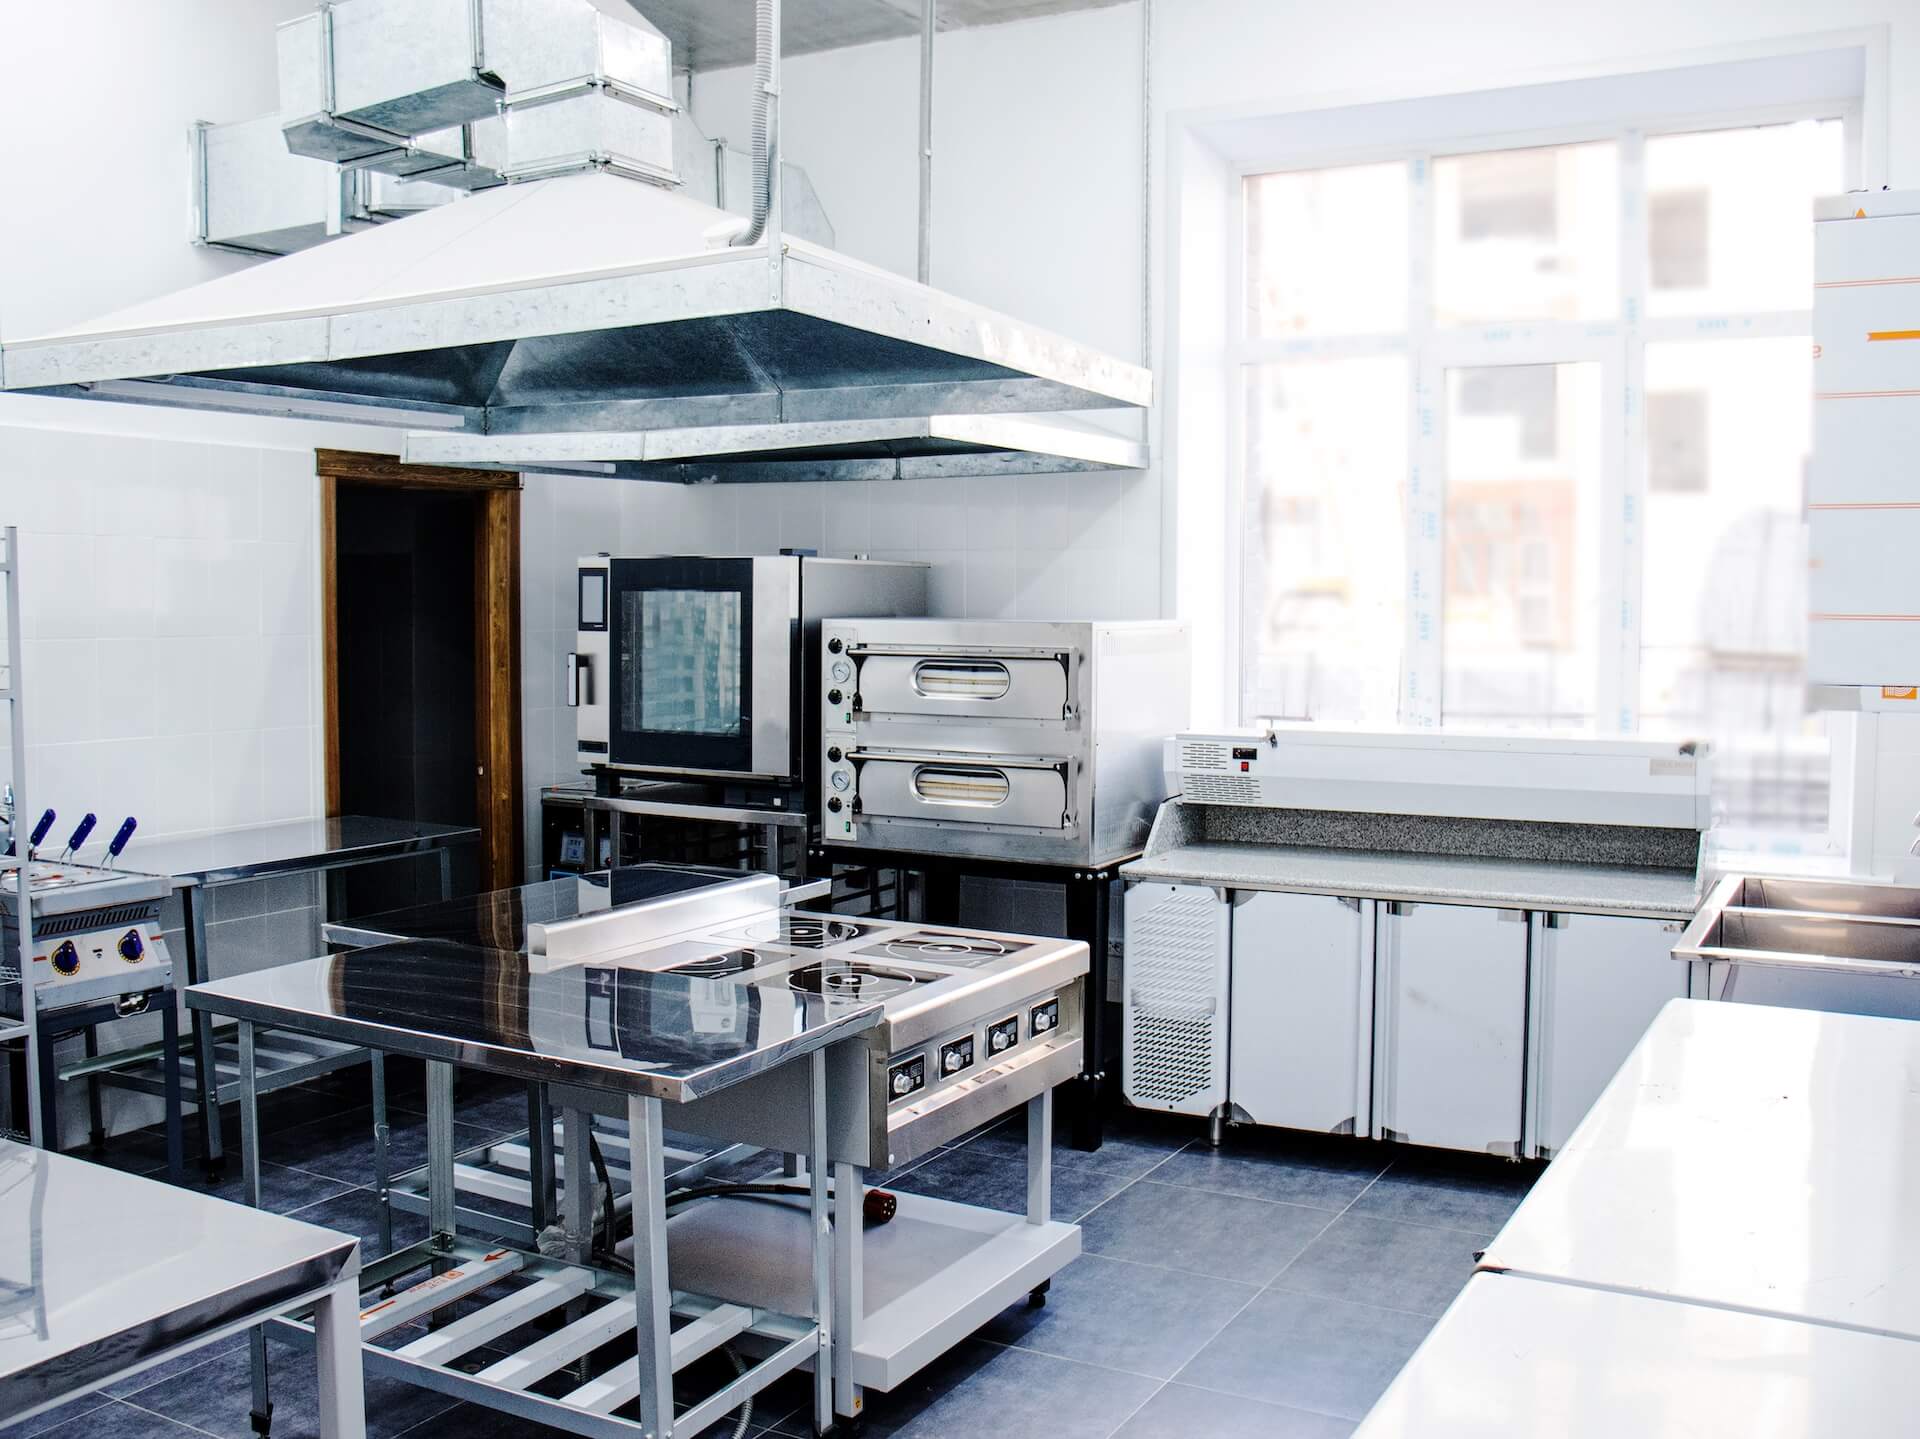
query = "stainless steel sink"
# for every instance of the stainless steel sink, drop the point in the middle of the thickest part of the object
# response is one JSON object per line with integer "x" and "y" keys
{"x": 1834, "y": 926}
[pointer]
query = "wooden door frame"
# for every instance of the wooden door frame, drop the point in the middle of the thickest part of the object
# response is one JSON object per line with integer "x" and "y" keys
{"x": 496, "y": 637}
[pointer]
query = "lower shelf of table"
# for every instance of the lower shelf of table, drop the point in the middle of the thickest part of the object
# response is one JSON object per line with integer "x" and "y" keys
{"x": 931, "y": 1275}
{"x": 281, "y": 1058}
{"x": 541, "y": 1321}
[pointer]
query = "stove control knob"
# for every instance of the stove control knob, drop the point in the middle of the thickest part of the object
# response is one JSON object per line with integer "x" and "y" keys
{"x": 834, "y": 646}
{"x": 902, "y": 1082}
{"x": 833, "y": 754}
{"x": 66, "y": 958}
{"x": 132, "y": 947}
{"x": 834, "y": 697}
{"x": 834, "y": 804}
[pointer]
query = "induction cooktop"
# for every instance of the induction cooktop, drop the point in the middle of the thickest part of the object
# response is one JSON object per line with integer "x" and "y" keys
{"x": 959, "y": 951}
{"x": 804, "y": 931}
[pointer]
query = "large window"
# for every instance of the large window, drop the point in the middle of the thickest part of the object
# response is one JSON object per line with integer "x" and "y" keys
{"x": 1522, "y": 435}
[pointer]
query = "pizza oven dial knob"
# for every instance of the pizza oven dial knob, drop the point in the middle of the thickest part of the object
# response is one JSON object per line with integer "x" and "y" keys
{"x": 834, "y": 697}
{"x": 834, "y": 804}
{"x": 833, "y": 754}
{"x": 834, "y": 646}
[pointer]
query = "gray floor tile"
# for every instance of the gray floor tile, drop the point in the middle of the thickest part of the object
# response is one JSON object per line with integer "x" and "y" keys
{"x": 1264, "y": 1166}
{"x": 357, "y": 1212}
{"x": 1133, "y": 1142}
{"x": 474, "y": 1421}
{"x": 217, "y": 1397}
{"x": 1009, "y": 1393}
{"x": 116, "y": 1420}
{"x": 1454, "y": 1193}
{"x": 1385, "y": 1262}
{"x": 1125, "y": 1316}
{"x": 55, "y": 1417}
{"x": 1180, "y": 1409}
{"x": 1322, "y": 1355}
{"x": 147, "y": 1378}
{"x": 1249, "y": 1240}
{"x": 281, "y": 1189}
{"x": 997, "y": 1181}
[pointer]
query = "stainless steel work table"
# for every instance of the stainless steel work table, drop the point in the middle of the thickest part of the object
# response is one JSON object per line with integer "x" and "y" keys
{"x": 625, "y": 1034}
{"x": 1747, "y": 1158}
{"x": 103, "y": 1274}
{"x": 200, "y": 864}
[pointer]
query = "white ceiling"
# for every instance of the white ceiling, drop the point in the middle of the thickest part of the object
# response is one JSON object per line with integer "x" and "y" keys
{"x": 707, "y": 34}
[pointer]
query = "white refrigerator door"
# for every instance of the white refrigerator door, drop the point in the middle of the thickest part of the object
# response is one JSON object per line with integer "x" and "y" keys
{"x": 1174, "y": 1026}
{"x": 1301, "y": 1046}
{"x": 1596, "y": 982}
{"x": 1450, "y": 1026}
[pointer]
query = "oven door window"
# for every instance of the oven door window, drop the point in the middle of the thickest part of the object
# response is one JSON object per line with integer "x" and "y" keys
{"x": 688, "y": 679}
{"x": 683, "y": 664}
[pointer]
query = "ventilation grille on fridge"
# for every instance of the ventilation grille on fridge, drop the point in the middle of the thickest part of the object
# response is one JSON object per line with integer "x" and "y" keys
{"x": 1220, "y": 789}
{"x": 1173, "y": 1013}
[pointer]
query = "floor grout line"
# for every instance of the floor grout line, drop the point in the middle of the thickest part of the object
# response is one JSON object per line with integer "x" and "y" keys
{"x": 168, "y": 1418}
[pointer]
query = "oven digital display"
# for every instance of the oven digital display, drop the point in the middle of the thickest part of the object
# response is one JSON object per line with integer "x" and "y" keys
{"x": 689, "y": 644}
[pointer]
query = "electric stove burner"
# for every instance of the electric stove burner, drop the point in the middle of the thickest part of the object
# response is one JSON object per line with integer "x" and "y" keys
{"x": 718, "y": 966}
{"x": 963, "y": 951}
{"x": 804, "y": 931}
{"x": 850, "y": 979}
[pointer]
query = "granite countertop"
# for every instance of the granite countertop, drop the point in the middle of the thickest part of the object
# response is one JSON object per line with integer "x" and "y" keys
{"x": 1458, "y": 879}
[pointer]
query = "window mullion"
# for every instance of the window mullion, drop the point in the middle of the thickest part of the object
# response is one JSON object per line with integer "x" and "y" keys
{"x": 1425, "y": 510}
{"x": 1620, "y": 614}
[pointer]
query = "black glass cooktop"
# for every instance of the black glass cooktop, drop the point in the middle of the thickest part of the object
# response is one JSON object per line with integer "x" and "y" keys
{"x": 499, "y": 920}
{"x": 959, "y": 950}
{"x": 850, "y": 979}
{"x": 804, "y": 931}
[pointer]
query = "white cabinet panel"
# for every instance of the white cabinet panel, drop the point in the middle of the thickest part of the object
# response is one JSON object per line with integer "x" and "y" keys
{"x": 1596, "y": 982}
{"x": 1301, "y": 1045}
{"x": 1174, "y": 1037}
{"x": 1450, "y": 1024}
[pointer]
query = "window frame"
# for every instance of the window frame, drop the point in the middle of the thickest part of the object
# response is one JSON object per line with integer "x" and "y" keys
{"x": 1618, "y": 346}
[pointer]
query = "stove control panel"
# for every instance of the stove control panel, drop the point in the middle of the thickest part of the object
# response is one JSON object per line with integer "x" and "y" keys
{"x": 907, "y": 1078}
{"x": 1045, "y": 1017}
{"x": 1003, "y": 1036}
{"x": 956, "y": 1056}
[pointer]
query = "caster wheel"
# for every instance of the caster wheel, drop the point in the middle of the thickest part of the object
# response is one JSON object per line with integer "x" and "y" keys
{"x": 1037, "y": 1296}
{"x": 216, "y": 1173}
{"x": 262, "y": 1423}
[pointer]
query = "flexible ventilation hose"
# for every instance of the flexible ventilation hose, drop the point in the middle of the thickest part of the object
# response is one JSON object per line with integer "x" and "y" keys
{"x": 763, "y": 42}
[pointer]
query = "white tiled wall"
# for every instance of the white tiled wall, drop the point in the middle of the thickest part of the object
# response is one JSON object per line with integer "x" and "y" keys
{"x": 561, "y": 519}
{"x": 1033, "y": 547}
{"x": 170, "y": 607}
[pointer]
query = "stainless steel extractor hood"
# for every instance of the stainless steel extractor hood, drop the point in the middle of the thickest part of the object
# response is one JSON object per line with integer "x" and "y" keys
{"x": 917, "y": 447}
{"x": 576, "y": 303}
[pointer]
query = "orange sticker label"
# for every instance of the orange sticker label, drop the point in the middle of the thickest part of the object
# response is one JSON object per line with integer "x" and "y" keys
{"x": 1900, "y": 692}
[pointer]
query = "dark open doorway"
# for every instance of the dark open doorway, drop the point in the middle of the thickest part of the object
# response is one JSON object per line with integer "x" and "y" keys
{"x": 421, "y": 610}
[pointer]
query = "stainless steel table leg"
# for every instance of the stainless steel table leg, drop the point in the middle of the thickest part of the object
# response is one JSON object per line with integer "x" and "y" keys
{"x": 441, "y": 1197}
{"x": 577, "y": 1198}
{"x": 96, "y": 1122}
{"x": 822, "y": 1225}
{"x": 849, "y": 1284}
{"x": 446, "y": 872}
{"x": 193, "y": 926}
{"x": 653, "y": 1331}
{"x": 1040, "y": 1157}
{"x": 262, "y": 1414}
{"x": 382, "y": 1151}
{"x": 170, "y": 1072}
{"x": 336, "y": 1344}
{"x": 539, "y": 1156}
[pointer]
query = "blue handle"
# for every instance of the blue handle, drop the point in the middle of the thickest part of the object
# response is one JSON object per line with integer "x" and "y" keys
{"x": 40, "y": 830}
{"x": 120, "y": 839}
{"x": 80, "y": 833}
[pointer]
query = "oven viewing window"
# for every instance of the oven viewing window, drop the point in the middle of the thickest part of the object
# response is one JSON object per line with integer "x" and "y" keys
{"x": 688, "y": 680}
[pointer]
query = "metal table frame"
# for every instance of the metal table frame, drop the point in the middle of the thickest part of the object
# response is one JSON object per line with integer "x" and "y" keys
{"x": 334, "y": 1326}
{"x": 644, "y": 1306}
{"x": 302, "y": 1059}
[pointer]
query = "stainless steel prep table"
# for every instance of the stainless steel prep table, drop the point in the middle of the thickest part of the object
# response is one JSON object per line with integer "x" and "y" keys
{"x": 104, "y": 1274}
{"x": 517, "y": 1173}
{"x": 204, "y": 863}
{"x": 639, "y": 1037}
{"x": 1745, "y": 1157}
{"x": 1519, "y": 1357}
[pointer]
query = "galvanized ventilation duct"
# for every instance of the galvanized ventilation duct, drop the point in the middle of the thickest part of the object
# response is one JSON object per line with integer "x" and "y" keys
{"x": 912, "y": 448}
